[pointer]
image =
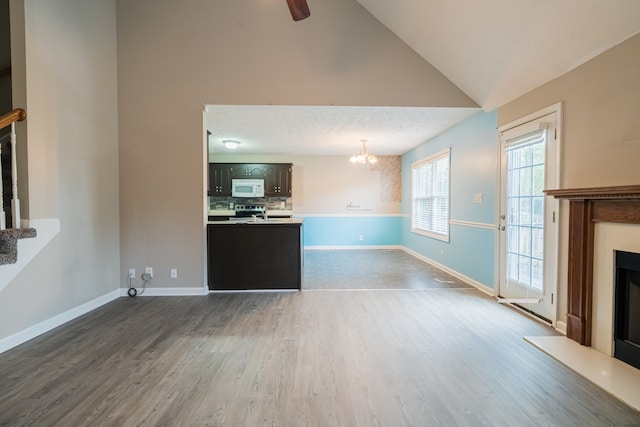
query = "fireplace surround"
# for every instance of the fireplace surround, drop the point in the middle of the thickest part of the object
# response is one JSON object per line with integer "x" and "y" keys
{"x": 627, "y": 308}
{"x": 588, "y": 206}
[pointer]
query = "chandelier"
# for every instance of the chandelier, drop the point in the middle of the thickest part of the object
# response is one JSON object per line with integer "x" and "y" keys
{"x": 363, "y": 156}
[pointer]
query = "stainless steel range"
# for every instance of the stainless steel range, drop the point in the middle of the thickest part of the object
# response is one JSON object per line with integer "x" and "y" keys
{"x": 246, "y": 211}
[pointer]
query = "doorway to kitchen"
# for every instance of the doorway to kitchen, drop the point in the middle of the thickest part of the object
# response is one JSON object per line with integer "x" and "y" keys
{"x": 529, "y": 159}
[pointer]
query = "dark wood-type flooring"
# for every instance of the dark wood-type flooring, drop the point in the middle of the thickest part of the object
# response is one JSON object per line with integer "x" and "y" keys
{"x": 372, "y": 269}
{"x": 439, "y": 356}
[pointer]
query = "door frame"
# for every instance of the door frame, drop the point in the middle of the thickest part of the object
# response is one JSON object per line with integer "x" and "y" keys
{"x": 554, "y": 108}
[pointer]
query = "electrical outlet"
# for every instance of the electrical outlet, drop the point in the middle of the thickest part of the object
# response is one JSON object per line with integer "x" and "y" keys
{"x": 478, "y": 198}
{"x": 149, "y": 271}
{"x": 360, "y": 237}
{"x": 174, "y": 273}
{"x": 132, "y": 273}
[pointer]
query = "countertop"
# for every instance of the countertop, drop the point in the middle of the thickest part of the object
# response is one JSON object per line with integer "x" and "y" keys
{"x": 259, "y": 221}
{"x": 232, "y": 213}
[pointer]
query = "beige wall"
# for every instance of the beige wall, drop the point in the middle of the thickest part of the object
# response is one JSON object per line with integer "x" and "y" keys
{"x": 601, "y": 117}
{"x": 73, "y": 153}
{"x": 601, "y": 128}
{"x": 175, "y": 57}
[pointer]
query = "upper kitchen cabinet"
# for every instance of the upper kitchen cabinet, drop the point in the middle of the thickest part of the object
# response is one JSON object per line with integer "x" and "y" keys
{"x": 248, "y": 171}
{"x": 277, "y": 177}
{"x": 277, "y": 180}
{"x": 220, "y": 175}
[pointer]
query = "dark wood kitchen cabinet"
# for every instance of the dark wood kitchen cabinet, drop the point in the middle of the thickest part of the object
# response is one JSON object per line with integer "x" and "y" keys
{"x": 263, "y": 255}
{"x": 277, "y": 180}
{"x": 220, "y": 179}
{"x": 277, "y": 177}
{"x": 248, "y": 170}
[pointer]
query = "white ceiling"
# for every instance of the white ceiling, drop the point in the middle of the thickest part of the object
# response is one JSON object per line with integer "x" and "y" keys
{"x": 497, "y": 50}
{"x": 330, "y": 130}
{"x": 493, "y": 50}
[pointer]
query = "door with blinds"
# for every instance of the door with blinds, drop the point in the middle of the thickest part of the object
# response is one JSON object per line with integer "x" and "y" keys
{"x": 528, "y": 219}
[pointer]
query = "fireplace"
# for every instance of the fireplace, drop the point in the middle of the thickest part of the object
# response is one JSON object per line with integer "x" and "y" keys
{"x": 626, "y": 331}
{"x": 588, "y": 206}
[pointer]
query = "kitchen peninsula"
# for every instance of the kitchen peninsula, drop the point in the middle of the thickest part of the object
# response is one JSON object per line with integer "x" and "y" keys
{"x": 255, "y": 254}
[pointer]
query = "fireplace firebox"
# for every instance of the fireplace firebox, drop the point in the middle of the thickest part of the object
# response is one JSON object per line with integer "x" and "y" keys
{"x": 627, "y": 308}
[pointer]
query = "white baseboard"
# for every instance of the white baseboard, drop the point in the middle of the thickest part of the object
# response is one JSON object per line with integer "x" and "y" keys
{"x": 42, "y": 327}
{"x": 331, "y": 248}
{"x": 166, "y": 292}
{"x": 561, "y": 327}
{"x": 481, "y": 287}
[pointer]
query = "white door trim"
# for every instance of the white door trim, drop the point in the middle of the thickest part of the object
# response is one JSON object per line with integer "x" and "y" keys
{"x": 557, "y": 109}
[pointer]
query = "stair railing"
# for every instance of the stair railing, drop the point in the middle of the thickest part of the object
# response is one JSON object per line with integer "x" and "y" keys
{"x": 10, "y": 119}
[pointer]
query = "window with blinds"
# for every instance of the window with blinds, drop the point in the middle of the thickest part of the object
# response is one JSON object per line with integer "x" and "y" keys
{"x": 430, "y": 196}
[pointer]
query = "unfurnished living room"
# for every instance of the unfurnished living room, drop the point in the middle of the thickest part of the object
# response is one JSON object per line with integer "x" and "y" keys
{"x": 320, "y": 213}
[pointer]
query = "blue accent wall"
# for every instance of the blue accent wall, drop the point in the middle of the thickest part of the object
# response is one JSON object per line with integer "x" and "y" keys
{"x": 470, "y": 251}
{"x": 474, "y": 169}
{"x": 345, "y": 230}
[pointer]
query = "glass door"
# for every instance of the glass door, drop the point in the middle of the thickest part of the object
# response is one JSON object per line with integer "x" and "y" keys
{"x": 528, "y": 224}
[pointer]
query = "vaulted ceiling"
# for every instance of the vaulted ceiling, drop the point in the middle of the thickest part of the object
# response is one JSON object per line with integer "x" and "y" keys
{"x": 497, "y": 50}
{"x": 493, "y": 50}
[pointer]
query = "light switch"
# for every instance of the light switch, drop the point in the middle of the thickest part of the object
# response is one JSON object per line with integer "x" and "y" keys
{"x": 478, "y": 198}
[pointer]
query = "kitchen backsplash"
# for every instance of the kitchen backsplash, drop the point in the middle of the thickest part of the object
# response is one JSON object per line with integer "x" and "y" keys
{"x": 271, "y": 203}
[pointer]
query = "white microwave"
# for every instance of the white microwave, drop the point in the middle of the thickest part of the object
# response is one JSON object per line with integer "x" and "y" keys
{"x": 247, "y": 187}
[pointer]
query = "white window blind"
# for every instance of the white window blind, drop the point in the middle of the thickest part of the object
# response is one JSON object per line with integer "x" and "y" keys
{"x": 430, "y": 196}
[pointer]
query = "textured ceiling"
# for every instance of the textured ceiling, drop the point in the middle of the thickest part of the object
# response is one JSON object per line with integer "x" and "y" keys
{"x": 314, "y": 130}
{"x": 493, "y": 50}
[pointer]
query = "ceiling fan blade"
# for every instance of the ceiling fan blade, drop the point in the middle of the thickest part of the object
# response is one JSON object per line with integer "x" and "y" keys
{"x": 299, "y": 9}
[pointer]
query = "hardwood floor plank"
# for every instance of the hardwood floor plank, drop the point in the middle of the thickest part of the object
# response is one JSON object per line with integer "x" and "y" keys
{"x": 451, "y": 357}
